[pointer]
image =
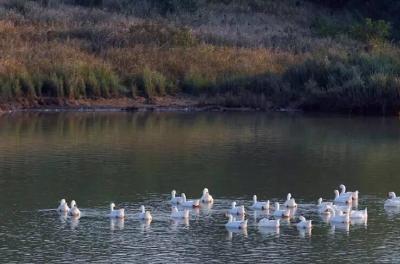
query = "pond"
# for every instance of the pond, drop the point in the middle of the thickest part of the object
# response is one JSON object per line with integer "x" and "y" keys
{"x": 136, "y": 159}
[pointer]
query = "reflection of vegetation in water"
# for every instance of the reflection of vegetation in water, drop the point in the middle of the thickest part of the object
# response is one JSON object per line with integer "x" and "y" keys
{"x": 213, "y": 148}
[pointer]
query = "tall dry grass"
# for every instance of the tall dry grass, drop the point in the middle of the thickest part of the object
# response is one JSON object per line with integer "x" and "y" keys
{"x": 264, "y": 54}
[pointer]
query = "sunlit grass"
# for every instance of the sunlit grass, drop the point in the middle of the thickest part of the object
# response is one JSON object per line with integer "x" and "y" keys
{"x": 72, "y": 52}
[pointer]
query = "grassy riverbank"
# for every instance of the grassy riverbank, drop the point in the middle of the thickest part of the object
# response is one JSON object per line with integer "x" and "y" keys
{"x": 262, "y": 54}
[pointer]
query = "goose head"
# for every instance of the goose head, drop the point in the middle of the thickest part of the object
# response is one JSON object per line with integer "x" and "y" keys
{"x": 342, "y": 188}
{"x": 205, "y": 191}
{"x": 289, "y": 196}
{"x": 173, "y": 193}
{"x": 62, "y": 201}
{"x": 112, "y": 206}
{"x": 390, "y": 194}
{"x": 142, "y": 209}
{"x": 276, "y": 206}
{"x": 233, "y": 204}
{"x": 319, "y": 201}
{"x": 254, "y": 198}
{"x": 302, "y": 219}
{"x": 183, "y": 197}
{"x": 73, "y": 203}
{"x": 336, "y": 193}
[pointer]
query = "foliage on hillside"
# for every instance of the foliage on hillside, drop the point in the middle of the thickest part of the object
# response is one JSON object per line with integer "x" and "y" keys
{"x": 315, "y": 55}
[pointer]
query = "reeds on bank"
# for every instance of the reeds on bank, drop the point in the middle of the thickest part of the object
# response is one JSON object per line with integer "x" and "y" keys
{"x": 61, "y": 50}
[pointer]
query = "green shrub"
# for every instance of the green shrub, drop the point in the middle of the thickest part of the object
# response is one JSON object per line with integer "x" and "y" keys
{"x": 195, "y": 83}
{"x": 365, "y": 82}
{"x": 325, "y": 28}
{"x": 372, "y": 30}
{"x": 152, "y": 83}
{"x": 61, "y": 81}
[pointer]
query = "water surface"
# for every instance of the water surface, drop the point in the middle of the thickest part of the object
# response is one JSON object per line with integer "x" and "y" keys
{"x": 138, "y": 158}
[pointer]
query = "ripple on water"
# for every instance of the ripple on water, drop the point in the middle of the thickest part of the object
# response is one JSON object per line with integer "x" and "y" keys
{"x": 44, "y": 234}
{"x": 96, "y": 157}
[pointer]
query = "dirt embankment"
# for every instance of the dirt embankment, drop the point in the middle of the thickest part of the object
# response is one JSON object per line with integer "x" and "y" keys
{"x": 165, "y": 103}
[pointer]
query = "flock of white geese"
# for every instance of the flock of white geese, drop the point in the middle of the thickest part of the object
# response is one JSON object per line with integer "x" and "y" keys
{"x": 338, "y": 211}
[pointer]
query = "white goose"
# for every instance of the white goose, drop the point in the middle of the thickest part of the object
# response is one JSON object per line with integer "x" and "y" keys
{"x": 74, "y": 211}
{"x": 281, "y": 213}
{"x": 320, "y": 203}
{"x": 290, "y": 202}
{"x": 176, "y": 214}
{"x": 323, "y": 207}
{"x": 144, "y": 215}
{"x": 392, "y": 201}
{"x": 354, "y": 195}
{"x": 259, "y": 205}
{"x": 116, "y": 213}
{"x": 206, "y": 197}
{"x": 175, "y": 199}
{"x": 339, "y": 217}
{"x": 343, "y": 208}
{"x": 304, "y": 224}
{"x": 237, "y": 210}
{"x": 359, "y": 214}
{"x": 189, "y": 203}
{"x": 265, "y": 222}
{"x": 63, "y": 207}
{"x": 236, "y": 224}
{"x": 343, "y": 199}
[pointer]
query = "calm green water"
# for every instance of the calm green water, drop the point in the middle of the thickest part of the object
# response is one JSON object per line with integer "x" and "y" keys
{"x": 134, "y": 159}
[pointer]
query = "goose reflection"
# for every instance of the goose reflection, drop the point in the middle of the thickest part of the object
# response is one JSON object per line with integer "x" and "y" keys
{"x": 342, "y": 227}
{"x": 255, "y": 215}
{"x": 117, "y": 223}
{"x": 232, "y": 231}
{"x": 304, "y": 232}
{"x": 63, "y": 217}
{"x": 206, "y": 208}
{"x": 359, "y": 222}
{"x": 195, "y": 211}
{"x": 145, "y": 224}
{"x": 176, "y": 222}
{"x": 354, "y": 204}
{"x": 392, "y": 211}
{"x": 284, "y": 221}
{"x": 269, "y": 231}
{"x": 74, "y": 220}
{"x": 293, "y": 212}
